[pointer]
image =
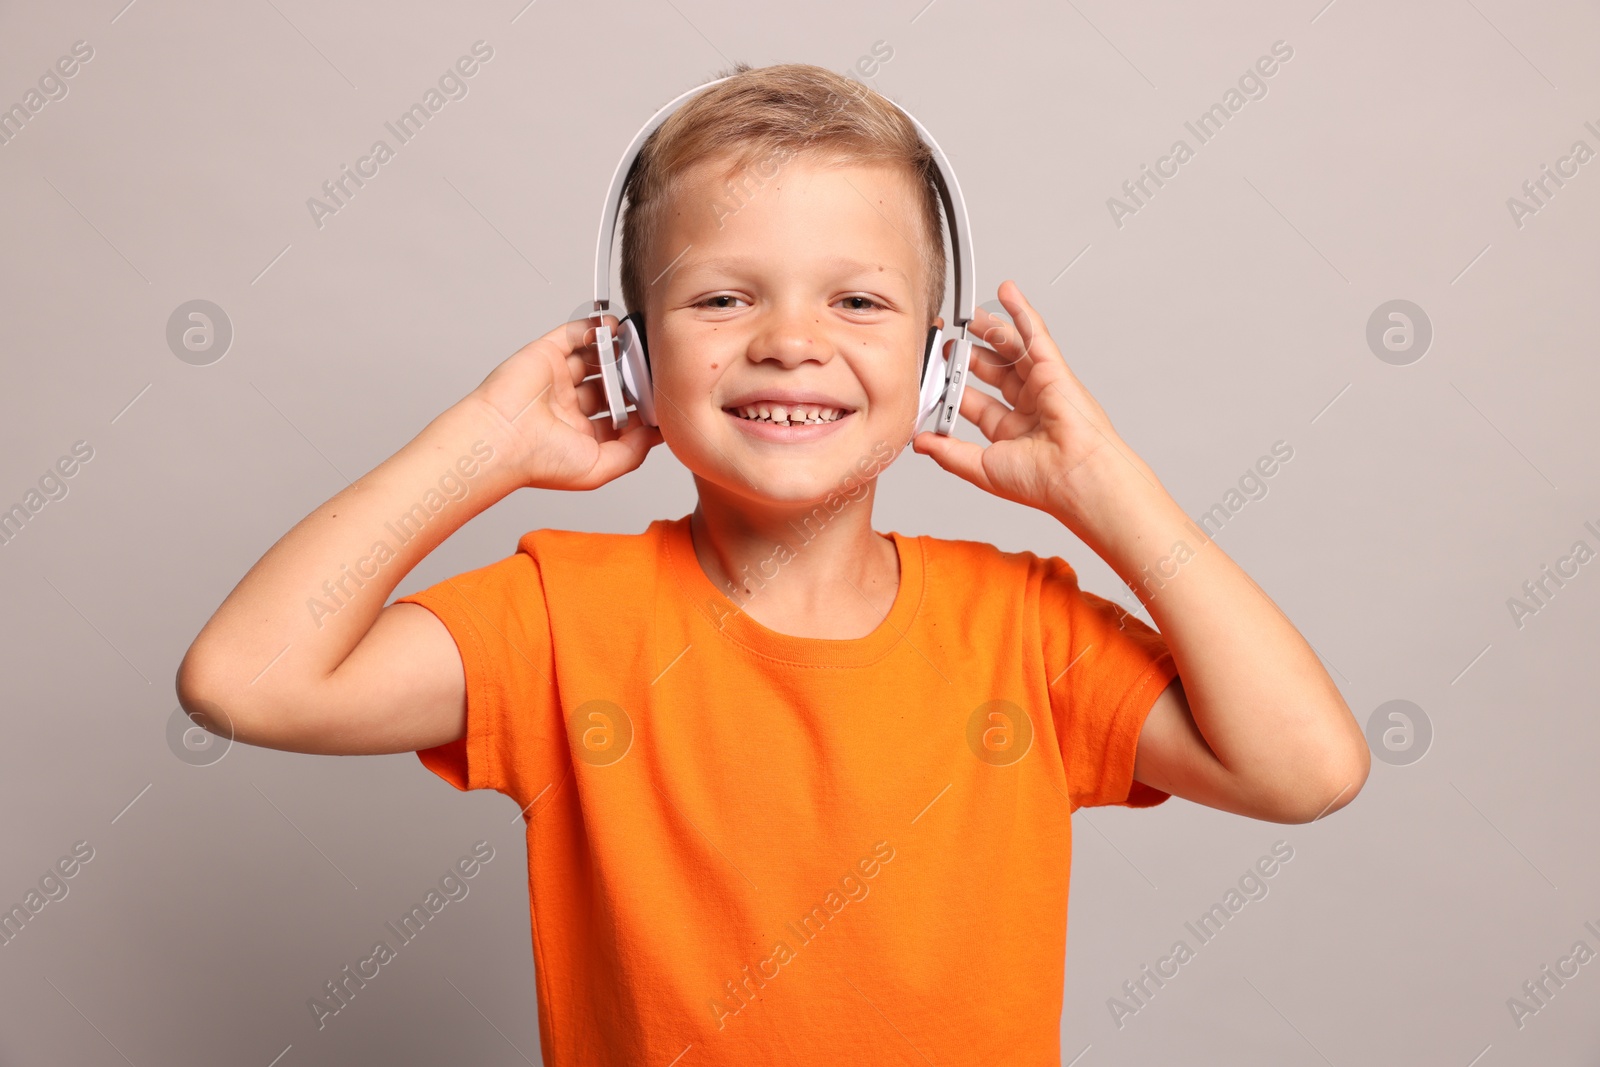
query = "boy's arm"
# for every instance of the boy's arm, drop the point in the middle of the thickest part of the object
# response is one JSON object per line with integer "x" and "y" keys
{"x": 290, "y": 662}
{"x": 1254, "y": 725}
{"x": 303, "y": 655}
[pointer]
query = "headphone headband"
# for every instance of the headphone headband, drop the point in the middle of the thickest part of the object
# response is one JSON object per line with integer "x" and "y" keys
{"x": 955, "y": 211}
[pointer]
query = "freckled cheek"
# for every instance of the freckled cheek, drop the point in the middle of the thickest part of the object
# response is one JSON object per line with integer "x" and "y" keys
{"x": 683, "y": 384}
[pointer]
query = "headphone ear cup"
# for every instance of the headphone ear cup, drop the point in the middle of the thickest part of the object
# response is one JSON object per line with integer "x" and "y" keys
{"x": 636, "y": 380}
{"x": 611, "y": 373}
{"x": 637, "y": 318}
{"x": 955, "y": 386}
{"x": 933, "y": 376}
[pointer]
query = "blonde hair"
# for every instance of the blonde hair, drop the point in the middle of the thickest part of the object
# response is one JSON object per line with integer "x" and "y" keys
{"x": 768, "y": 115}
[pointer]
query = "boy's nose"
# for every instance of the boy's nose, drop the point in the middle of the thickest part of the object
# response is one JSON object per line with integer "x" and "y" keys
{"x": 791, "y": 337}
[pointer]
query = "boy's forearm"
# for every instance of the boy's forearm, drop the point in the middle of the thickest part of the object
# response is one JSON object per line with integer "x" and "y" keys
{"x": 1256, "y": 689}
{"x": 311, "y": 598}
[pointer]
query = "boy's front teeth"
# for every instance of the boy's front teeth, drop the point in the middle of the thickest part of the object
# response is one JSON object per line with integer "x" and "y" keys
{"x": 800, "y": 413}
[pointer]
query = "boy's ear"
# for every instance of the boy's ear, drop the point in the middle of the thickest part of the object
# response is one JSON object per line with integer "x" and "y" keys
{"x": 938, "y": 320}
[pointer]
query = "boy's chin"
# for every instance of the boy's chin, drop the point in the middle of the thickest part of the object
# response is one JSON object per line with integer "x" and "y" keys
{"x": 803, "y": 493}
{"x": 763, "y": 488}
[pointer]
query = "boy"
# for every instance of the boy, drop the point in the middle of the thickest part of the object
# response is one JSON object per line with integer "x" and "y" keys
{"x": 819, "y": 815}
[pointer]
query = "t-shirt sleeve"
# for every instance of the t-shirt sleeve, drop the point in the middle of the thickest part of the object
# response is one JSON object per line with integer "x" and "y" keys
{"x": 1104, "y": 669}
{"x": 499, "y": 620}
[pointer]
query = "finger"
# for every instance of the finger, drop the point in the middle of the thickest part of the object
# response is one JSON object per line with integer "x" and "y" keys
{"x": 1057, "y": 378}
{"x": 1049, "y": 373}
{"x": 995, "y": 370}
{"x": 623, "y": 453}
{"x": 1009, "y": 370}
{"x": 600, "y": 421}
{"x": 570, "y": 336}
{"x": 1047, "y": 368}
{"x": 1035, "y": 339}
{"x": 578, "y": 334}
{"x": 577, "y": 368}
{"x": 1013, "y": 348}
{"x": 988, "y": 414}
{"x": 961, "y": 458}
{"x": 587, "y": 396}
{"x": 600, "y": 424}
{"x": 577, "y": 343}
{"x": 591, "y": 397}
{"x": 583, "y": 362}
{"x": 1004, "y": 337}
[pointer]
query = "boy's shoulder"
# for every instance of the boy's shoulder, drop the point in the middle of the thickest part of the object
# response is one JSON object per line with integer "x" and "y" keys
{"x": 552, "y": 544}
{"x": 991, "y": 561}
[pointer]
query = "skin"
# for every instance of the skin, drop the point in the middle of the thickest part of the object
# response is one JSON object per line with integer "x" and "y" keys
{"x": 811, "y": 283}
{"x": 1254, "y": 725}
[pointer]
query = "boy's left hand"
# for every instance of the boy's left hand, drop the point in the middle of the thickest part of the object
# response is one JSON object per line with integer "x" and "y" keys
{"x": 1054, "y": 448}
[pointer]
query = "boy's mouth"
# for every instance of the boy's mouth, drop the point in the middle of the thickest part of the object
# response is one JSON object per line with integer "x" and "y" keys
{"x": 774, "y": 414}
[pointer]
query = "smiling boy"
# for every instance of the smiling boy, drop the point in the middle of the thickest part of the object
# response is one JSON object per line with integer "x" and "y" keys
{"x": 825, "y": 819}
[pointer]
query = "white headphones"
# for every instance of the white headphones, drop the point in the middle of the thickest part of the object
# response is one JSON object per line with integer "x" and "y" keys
{"x": 943, "y": 381}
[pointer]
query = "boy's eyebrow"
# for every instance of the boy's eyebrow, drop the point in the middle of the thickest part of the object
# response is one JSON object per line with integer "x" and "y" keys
{"x": 734, "y": 264}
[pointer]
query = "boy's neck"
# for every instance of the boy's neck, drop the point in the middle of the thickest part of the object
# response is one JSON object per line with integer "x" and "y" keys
{"x": 806, "y": 573}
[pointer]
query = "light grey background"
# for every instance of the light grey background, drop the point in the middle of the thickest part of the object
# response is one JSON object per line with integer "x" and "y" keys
{"x": 1229, "y": 313}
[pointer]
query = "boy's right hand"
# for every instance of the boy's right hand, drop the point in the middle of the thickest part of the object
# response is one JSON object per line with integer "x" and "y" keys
{"x": 541, "y": 402}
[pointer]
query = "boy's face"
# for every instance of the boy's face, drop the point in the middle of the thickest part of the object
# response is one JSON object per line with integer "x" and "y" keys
{"x": 813, "y": 284}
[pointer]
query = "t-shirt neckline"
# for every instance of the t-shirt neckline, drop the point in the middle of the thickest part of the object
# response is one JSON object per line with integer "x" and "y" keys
{"x": 724, "y": 615}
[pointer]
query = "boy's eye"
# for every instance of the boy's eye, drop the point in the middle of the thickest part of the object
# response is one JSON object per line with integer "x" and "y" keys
{"x": 724, "y": 301}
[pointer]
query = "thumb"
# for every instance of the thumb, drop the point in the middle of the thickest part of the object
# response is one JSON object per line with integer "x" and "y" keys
{"x": 961, "y": 458}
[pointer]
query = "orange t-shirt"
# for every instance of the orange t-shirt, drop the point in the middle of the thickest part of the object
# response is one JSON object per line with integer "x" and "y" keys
{"x": 746, "y": 847}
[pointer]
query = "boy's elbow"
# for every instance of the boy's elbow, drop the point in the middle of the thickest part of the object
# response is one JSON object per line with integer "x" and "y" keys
{"x": 215, "y": 694}
{"x": 203, "y": 699}
{"x": 1338, "y": 778}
